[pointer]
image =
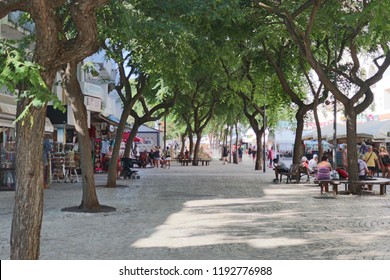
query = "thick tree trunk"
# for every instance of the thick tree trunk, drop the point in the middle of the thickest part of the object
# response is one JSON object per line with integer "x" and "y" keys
{"x": 73, "y": 91}
{"x": 28, "y": 208}
{"x": 259, "y": 149}
{"x": 183, "y": 143}
{"x": 353, "y": 169}
{"x": 191, "y": 148}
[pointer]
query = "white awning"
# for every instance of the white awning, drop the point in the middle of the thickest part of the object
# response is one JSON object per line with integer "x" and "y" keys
{"x": 48, "y": 125}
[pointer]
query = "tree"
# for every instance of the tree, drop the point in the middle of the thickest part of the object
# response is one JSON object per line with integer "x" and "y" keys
{"x": 52, "y": 50}
{"x": 89, "y": 202}
{"x": 359, "y": 27}
{"x": 161, "y": 99}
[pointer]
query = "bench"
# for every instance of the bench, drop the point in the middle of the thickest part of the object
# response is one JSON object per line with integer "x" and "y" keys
{"x": 184, "y": 162}
{"x": 324, "y": 184}
{"x": 296, "y": 172}
{"x": 382, "y": 182}
{"x": 204, "y": 161}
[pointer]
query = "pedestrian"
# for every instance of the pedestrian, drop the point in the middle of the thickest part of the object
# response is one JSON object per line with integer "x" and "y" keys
{"x": 157, "y": 156}
{"x": 168, "y": 158}
{"x": 371, "y": 159}
{"x": 344, "y": 157}
{"x": 270, "y": 156}
{"x": 384, "y": 162}
{"x": 225, "y": 154}
{"x": 313, "y": 164}
{"x": 240, "y": 152}
{"x": 254, "y": 153}
{"x": 46, "y": 153}
{"x": 363, "y": 169}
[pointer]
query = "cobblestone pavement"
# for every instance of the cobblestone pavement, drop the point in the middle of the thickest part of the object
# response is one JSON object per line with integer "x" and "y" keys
{"x": 209, "y": 212}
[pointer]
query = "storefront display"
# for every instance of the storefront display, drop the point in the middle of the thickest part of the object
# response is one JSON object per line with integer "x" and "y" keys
{"x": 7, "y": 165}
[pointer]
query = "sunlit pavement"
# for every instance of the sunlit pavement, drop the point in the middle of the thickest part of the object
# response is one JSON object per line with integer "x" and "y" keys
{"x": 209, "y": 212}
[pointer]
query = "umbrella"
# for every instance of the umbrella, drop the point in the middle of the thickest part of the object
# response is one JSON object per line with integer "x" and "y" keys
{"x": 136, "y": 138}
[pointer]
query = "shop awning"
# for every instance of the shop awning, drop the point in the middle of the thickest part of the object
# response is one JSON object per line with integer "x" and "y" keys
{"x": 112, "y": 120}
{"x": 8, "y": 121}
{"x": 48, "y": 125}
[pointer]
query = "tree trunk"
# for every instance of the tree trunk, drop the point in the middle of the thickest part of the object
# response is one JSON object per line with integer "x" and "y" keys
{"x": 113, "y": 166}
{"x": 191, "y": 148}
{"x": 353, "y": 172}
{"x": 235, "y": 155}
{"x": 197, "y": 147}
{"x": 28, "y": 208}
{"x": 319, "y": 134}
{"x": 130, "y": 140}
{"x": 73, "y": 91}
{"x": 183, "y": 143}
{"x": 259, "y": 149}
{"x": 298, "y": 147}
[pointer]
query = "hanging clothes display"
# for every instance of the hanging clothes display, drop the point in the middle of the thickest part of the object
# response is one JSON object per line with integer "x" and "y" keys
{"x": 98, "y": 157}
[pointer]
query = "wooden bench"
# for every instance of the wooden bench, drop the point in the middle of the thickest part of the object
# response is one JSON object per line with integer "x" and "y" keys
{"x": 324, "y": 184}
{"x": 296, "y": 172}
{"x": 204, "y": 161}
{"x": 184, "y": 162}
{"x": 382, "y": 182}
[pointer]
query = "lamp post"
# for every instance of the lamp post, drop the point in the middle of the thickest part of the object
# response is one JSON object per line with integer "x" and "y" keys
{"x": 158, "y": 134}
{"x": 165, "y": 136}
{"x": 264, "y": 126}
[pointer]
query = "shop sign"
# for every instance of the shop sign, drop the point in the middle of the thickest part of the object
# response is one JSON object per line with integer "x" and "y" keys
{"x": 92, "y": 103}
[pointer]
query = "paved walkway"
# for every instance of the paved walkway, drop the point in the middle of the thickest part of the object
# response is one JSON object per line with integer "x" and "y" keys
{"x": 214, "y": 212}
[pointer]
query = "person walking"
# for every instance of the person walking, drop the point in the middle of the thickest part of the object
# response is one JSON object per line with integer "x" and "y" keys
{"x": 240, "y": 152}
{"x": 371, "y": 158}
{"x": 384, "y": 162}
{"x": 225, "y": 154}
{"x": 270, "y": 157}
{"x": 254, "y": 153}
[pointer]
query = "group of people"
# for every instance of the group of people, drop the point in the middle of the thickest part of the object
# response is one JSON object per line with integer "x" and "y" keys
{"x": 371, "y": 161}
{"x": 156, "y": 157}
{"x": 368, "y": 165}
{"x": 322, "y": 169}
{"x": 226, "y": 151}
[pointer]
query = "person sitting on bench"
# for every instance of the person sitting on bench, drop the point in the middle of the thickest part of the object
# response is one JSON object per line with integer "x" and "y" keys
{"x": 324, "y": 169}
{"x": 279, "y": 167}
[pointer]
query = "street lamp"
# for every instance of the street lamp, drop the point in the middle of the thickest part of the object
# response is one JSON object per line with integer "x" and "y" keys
{"x": 264, "y": 126}
{"x": 158, "y": 134}
{"x": 165, "y": 135}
